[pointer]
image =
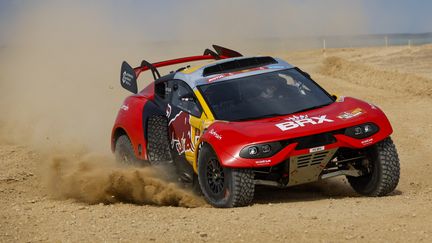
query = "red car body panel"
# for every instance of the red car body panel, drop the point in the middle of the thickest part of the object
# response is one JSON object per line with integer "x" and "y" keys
{"x": 229, "y": 138}
{"x": 201, "y": 121}
{"x": 236, "y": 135}
{"x": 129, "y": 119}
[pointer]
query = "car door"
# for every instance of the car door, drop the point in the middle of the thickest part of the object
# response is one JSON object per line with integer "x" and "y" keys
{"x": 180, "y": 110}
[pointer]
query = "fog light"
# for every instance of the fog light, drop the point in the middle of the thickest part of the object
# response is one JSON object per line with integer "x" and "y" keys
{"x": 266, "y": 148}
{"x": 367, "y": 128}
{"x": 253, "y": 150}
{"x": 358, "y": 131}
{"x": 362, "y": 131}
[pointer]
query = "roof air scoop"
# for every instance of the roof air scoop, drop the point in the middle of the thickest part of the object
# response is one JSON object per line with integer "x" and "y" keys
{"x": 237, "y": 65}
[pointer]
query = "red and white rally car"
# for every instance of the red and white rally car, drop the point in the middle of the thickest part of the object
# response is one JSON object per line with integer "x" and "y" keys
{"x": 243, "y": 121}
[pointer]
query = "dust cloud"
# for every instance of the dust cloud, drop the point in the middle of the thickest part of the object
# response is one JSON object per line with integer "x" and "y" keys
{"x": 60, "y": 64}
{"x": 59, "y": 79}
{"x": 59, "y": 87}
{"x": 59, "y": 94}
{"x": 98, "y": 179}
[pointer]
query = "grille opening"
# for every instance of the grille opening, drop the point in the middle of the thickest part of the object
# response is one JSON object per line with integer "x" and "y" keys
{"x": 312, "y": 159}
{"x": 315, "y": 141}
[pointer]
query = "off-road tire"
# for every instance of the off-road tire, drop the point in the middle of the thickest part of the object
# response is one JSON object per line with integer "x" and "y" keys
{"x": 238, "y": 184}
{"x": 124, "y": 152}
{"x": 196, "y": 188}
{"x": 385, "y": 171}
{"x": 157, "y": 140}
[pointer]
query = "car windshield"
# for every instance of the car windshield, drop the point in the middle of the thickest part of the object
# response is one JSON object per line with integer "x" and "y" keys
{"x": 270, "y": 94}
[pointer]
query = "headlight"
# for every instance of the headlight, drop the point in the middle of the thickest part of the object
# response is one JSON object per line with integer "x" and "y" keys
{"x": 252, "y": 151}
{"x": 362, "y": 131}
{"x": 260, "y": 150}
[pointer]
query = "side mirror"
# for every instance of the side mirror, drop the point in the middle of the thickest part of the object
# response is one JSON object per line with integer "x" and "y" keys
{"x": 190, "y": 105}
{"x": 128, "y": 78}
{"x": 335, "y": 97}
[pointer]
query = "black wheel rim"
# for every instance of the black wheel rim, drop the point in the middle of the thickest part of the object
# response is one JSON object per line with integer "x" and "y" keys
{"x": 215, "y": 176}
{"x": 124, "y": 157}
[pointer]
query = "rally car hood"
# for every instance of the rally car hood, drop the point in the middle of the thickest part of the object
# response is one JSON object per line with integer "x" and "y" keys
{"x": 332, "y": 117}
{"x": 345, "y": 112}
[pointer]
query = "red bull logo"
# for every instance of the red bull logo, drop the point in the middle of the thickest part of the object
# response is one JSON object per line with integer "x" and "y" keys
{"x": 181, "y": 133}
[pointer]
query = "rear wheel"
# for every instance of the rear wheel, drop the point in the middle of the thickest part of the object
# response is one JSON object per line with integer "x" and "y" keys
{"x": 224, "y": 187}
{"x": 381, "y": 170}
{"x": 124, "y": 152}
{"x": 157, "y": 140}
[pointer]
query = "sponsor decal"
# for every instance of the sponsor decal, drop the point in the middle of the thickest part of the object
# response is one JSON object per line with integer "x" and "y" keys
{"x": 350, "y": 114}
{"x": 341, "y": 99}
{"x": 367, "y": 141}
{"x": 316, "y": 149}
{"x": 126, "y": 78}
{"x": 263, "y": 161}
{"x": 215, "y": 134}
{"x": 295, "y": 118}
{"x": 216, "y": 78}
{"x": 183, "y": 136}
{"x": 301, "y": 121}
{"x": 220, "y": 76}
{"x": 124, "y": 107}
{"x": 168, "y": 110}
{"x": 180, "y": 133}
{"x": 276, "y": 66}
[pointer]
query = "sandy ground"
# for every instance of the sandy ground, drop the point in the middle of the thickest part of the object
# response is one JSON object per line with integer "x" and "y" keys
{"x": 397, "y": 79}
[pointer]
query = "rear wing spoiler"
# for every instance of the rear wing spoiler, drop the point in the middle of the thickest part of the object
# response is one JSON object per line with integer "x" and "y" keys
{"x": 129, "y": 75}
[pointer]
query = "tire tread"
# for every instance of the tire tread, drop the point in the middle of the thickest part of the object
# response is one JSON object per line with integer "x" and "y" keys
{"x": 388, "y": 169}
{"x": 244, "y": 187}
{"x": 242, "y": 182}
{"x": 157, "y": 140}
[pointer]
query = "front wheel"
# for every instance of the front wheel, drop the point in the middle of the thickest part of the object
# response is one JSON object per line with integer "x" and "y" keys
{"x": 381, "y": 170}
{"x": 224, "y": 187}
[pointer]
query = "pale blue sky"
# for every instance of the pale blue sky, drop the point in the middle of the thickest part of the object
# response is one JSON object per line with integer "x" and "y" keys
{"x": 193, "y": 19}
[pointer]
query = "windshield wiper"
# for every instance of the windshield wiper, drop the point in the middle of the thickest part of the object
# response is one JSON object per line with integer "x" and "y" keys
{"x": 259, "y": 117}
{"x": 312, "y": 108}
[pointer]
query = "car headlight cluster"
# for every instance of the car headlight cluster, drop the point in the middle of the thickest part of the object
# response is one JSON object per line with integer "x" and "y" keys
{"x": 260, "y": 150}
{"x": 362, "y": 131}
